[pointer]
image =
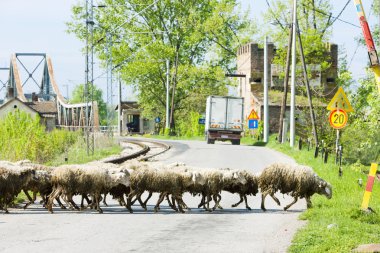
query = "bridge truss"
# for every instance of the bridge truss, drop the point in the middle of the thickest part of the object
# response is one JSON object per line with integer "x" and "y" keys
{"x": 71, "y": 116}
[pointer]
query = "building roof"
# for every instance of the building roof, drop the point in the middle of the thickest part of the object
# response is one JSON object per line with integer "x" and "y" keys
{"x": 128, "y": 105}
{"x": 43, "y": 107}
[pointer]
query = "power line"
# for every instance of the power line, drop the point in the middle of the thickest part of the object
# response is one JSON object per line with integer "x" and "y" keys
{"x": 341, "y": 12}
{"x": 329, "y": 15}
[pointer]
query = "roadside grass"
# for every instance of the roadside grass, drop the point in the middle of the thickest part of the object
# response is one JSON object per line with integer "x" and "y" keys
{"x": 338, "y": 224}
{"x": 77, "y": 153}
{"x": 244, "y": 140}
{"x": 170, "y": 137}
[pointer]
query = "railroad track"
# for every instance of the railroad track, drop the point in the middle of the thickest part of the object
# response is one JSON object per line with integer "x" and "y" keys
{"x": 141, "y": 149}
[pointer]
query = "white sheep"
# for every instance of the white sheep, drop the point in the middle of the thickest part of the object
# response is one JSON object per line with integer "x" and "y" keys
{"x": 296, "y": 180}
{"x": 13, "y": 179}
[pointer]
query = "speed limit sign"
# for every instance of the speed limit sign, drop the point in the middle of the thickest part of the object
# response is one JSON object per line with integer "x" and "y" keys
{"x": 338, "y": 119}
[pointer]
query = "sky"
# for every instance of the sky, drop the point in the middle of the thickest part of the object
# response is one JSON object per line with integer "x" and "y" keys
{"x": 38, "y": 26}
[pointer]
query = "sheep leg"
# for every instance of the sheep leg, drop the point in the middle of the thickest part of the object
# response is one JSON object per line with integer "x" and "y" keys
{"x": 122, "y": 201}
{"x": 87, "y": 199}
{"x": 215, "y": 198}
{"x": 97, "y": 198}
{"x": 238, "y": 203}
{"x": 60, "y": 203}
{"x": 104, "y": 200}
{"x": 142, "y": 204}
{"x": 275, "y": 199}
{"x": 129, "y": 200}
{"x": 82, "y": 207}
{"x": 44, "y": 200}
{"x": 27, "y": 195}
{"x": 219, "y": 198}
{"x": 161, "y": 198}
{"x": 73, "y": 203}
{"x": 54, "y": 194}
{"x": 294, "y": 201}
{"x": 246, "y": 203}
{"x": 182, "y": 203}
{"x": 202, "y": 201}
{"x": 172, "y": 203}
{"x": 308, "y": 202}
{"x": 66, "y": 200}
{"x": 134, "y": 200}
{"x": 184, "y": 206}
{"x": 208, "y": 202}
{"x": 263, "y": 196}
{"x": 178, "y": 198}
{"x": 8, "y": 200}
{"x": 31, "y": 200}
{"x": 146, "y": 201}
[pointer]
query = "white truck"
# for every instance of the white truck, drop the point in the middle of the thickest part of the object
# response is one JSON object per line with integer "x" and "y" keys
{"x": 224, "y": 119}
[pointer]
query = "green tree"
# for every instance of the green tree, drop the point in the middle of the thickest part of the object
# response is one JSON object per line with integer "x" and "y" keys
{"x": 78, "y": 97}
{"x": 315, "y": 25}
{"x": 199, "y": 38}
{"x": 362, "y": 136}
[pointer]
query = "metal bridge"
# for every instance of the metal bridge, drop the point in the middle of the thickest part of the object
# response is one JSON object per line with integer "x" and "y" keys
{"x": 72, "y": 116}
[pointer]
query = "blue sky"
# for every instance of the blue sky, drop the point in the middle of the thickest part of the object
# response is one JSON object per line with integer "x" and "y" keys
{"x": 38, "y": 26}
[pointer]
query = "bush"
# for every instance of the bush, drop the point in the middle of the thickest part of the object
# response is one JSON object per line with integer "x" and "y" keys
{"x": 189, "y": 126}
{"x": 23, "y": 137}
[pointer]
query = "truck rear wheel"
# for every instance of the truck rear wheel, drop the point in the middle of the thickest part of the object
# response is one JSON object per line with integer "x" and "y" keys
{"x": 235, "y": 142}
{"x": 209, "y": 140}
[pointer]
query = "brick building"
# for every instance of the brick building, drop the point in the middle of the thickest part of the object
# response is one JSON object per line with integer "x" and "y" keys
{"x": 250, "y": 61}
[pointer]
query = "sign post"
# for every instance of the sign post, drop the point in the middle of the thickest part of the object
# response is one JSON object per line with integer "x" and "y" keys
{"x": 339, "y": 107}
{"x": 253, "y": 120}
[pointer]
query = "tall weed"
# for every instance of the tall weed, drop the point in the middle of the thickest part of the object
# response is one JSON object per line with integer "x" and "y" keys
{"x": 23, "y": 137}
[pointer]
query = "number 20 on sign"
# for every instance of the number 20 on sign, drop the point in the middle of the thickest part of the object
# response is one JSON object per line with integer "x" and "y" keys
{"x": 338, "y": 119}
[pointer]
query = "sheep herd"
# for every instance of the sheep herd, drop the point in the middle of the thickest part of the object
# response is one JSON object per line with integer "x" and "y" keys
{"x": 127, "y": 182}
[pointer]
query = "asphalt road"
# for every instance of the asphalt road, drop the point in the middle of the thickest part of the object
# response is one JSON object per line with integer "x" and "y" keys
{"x": 116, "y": 230}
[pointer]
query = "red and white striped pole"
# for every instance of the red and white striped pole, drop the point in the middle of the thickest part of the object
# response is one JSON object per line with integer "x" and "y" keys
{"x": 370, "y": 182}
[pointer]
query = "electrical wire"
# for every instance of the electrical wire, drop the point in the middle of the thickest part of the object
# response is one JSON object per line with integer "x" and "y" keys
{"x": 328, "y": 15}
{"x": 340, "y": 13}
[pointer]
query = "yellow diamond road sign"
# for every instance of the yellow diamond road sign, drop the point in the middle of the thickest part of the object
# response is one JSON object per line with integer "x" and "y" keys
{"x": 253, "y": 115}
{"x": 340, "y": 101}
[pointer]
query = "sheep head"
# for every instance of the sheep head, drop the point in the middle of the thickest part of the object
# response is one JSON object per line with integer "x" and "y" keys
{"x": 324, "y": 188}
{"x": 120, "y": 177}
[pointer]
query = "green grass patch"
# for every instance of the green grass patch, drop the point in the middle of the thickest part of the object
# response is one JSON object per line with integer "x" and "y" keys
{"x": 175, "y": 137}
{"x": 338, "y": 224}
{"x": 77, "y": 153}
{"x": 247, "y": 140}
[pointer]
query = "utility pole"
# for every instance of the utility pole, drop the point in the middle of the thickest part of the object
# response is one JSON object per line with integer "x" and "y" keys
{"x": 266, "y": 114}
{"x": 89, "y": 76}
{"x": 281, "y": 133}
{"x": 293, "y": 79}
{"x": 119, "y": 119}
{"x": 167, "y": 121}
{"x": 312, "y": 116}
{"x": 109, "y": 81}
